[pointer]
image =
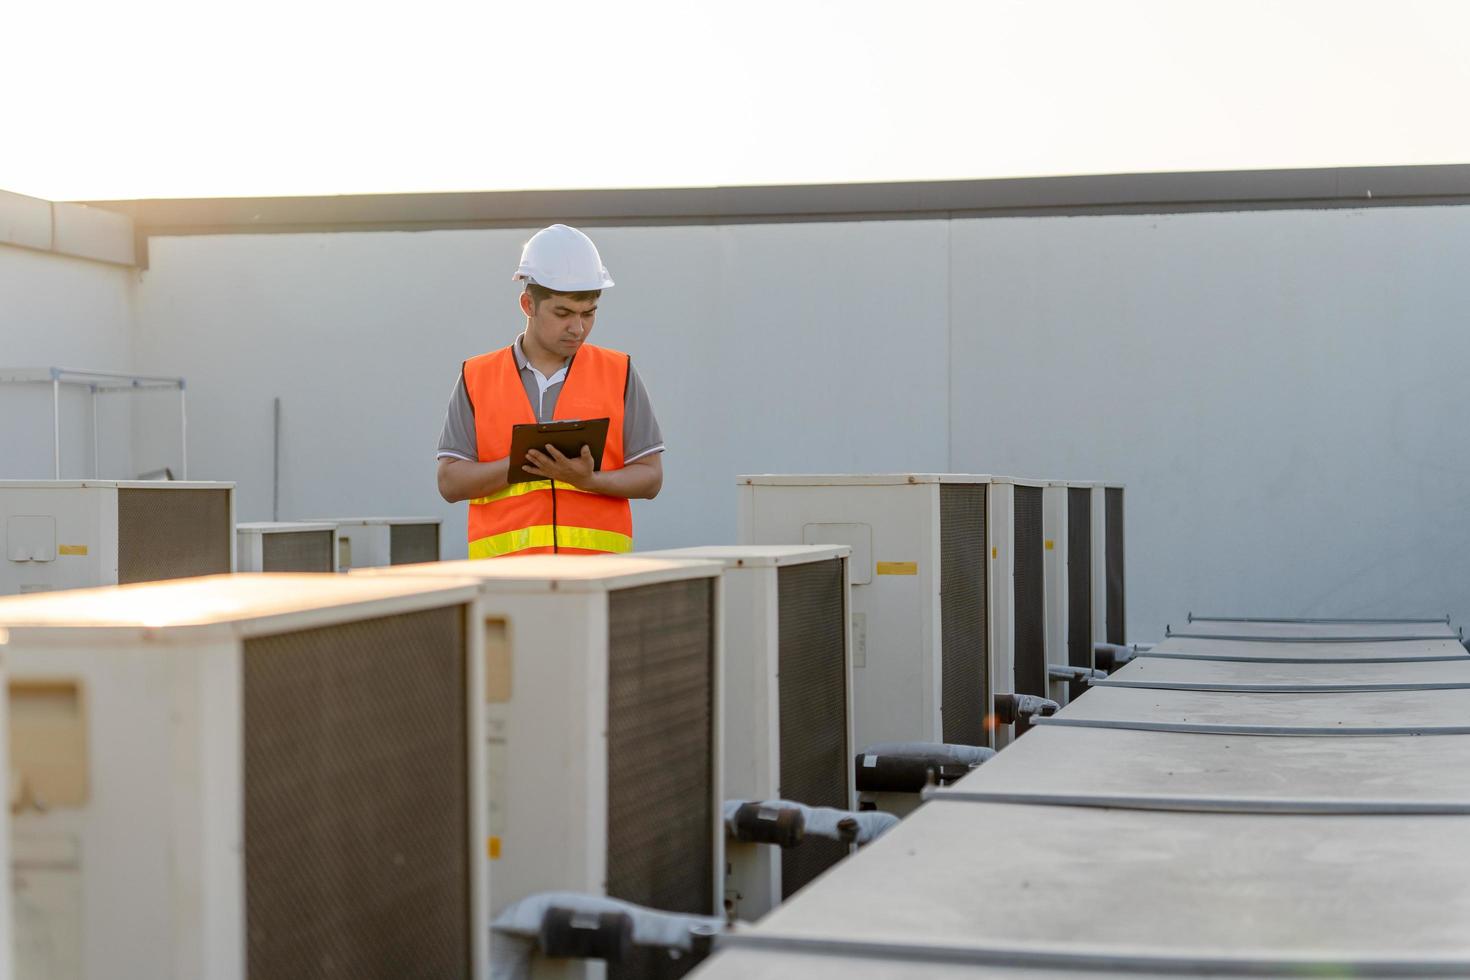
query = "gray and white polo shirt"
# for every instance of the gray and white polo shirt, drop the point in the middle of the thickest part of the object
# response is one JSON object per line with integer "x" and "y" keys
{"x": 641, "y": 434}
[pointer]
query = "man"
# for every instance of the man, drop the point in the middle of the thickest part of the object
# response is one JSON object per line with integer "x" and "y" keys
{"x": 551, "y": 373}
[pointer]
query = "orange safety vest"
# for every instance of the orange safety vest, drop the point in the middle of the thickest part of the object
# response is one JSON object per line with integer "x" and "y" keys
{"x": 537, "y": 517}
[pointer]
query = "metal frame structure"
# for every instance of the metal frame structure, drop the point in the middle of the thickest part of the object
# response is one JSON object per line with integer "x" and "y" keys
{"x": 99, "y": 383}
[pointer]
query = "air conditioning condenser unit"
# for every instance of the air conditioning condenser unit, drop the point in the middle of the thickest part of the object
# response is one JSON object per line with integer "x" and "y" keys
{"x": 788, "y": 704}
{"x": 249, "y": 776}
{"x": 292, "y": 546}
{"x": 73, "y": 534}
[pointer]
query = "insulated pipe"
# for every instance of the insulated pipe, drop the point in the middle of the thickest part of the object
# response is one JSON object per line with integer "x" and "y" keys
{"x": 764, "y": 823}
{"x": 1110, "y": 656}
{"x": 908, "y": 767}
{"x": 1080, "y": 675}
{"x": 846, "y": 826}
{"x": 1013, "y": 708}
{"x": 520, "y": 929}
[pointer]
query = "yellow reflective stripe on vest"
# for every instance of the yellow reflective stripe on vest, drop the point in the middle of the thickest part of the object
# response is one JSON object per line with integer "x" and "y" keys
{"x": 539, "y": 536}
{"x": 517, "y": 489}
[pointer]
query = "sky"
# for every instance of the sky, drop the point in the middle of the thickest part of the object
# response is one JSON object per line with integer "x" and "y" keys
{"x": 178, "y": 98}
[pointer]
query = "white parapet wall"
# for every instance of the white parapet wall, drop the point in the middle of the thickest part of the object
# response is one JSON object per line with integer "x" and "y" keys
{"x": 66, "y": 299}
{"x": 1279, "y": 389}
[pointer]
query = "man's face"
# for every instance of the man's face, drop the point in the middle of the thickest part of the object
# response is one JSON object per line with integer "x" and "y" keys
{"x": 560, "y": 324}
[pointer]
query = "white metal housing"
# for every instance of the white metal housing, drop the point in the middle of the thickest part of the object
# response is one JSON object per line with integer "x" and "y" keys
{"x": 1054, "y": 527}
{"x": 72, "y": 534}
{"x": 134, "y": 831}
{"x": 548, "y": 626}
{"x": 893, "y": 524}
{"x": 753, "y": 737}
{"x": 372, "y": 542}
{"x": 254, "y": 551}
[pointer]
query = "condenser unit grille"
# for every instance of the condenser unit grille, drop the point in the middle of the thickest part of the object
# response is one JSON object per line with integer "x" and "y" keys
{"x": 812, "y": 665}
{"x": 1114, "y": 557}
{"x": 660, "y": 747}
{"x": 964, "y": 693}
{"x": 1079, "y": 577}
{"x": 296, "y": 551}
{"x": 1030, "y": 593}
{"x": 357, "y": 850}
{"x": 165, "y": 534}
{"x": 410, "y": 544}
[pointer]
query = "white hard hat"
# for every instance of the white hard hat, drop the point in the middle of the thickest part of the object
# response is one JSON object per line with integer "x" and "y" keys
{"x": 563, "y": 260}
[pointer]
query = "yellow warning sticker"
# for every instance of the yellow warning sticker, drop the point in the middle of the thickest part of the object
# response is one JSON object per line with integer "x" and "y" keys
{"x": 1050, "y": 545}
{"x": 72, "y": 549}
{"x": 994, "y": 553}
{"x": 898, "y": 568}
{"x": 492, "y": 844}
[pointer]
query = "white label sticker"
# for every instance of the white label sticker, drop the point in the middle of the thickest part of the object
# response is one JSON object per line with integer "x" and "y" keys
{"x": 859, "y": 639}
{"x": 870, "y": 761}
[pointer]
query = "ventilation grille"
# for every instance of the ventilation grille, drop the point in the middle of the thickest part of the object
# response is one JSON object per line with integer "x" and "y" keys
{"x": 357, "y": 850}
{"x": 1030, "y": 589}
{"x": 660, "y": 745}
{"x": 410, "y": 544}
{"x": 1079, "y": 581}
{"x": 1116, "y": 609}
{"x": 296, "y": 551}
{"x": 812, "y": 667}
{"x": 172, "y": 533}
{"x": 964, "y": 694}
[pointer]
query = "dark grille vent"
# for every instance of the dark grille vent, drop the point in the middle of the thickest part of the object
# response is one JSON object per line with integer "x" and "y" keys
{"x": 1030, "y": 589}
{"x": 177, "y": 533}
{"x": 1079, "y": 581}
{"x": 296, "y": 551}
{"x": 964, "y": 693}
{"x": 1116, "y": 609}
{"x": 813, "y": 706}
{"x": 410, "y": 544}
{"x": 357, "y": 850}
{"x": 660, "y": 745}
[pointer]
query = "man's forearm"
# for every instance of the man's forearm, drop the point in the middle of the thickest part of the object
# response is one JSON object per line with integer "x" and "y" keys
{"x": 462, "y": 479}
{"x": 636, "y": 481}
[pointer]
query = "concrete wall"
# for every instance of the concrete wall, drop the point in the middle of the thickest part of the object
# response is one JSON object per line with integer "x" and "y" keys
{"x": 57, "y": 310}
{"x": 1278, "y": 389}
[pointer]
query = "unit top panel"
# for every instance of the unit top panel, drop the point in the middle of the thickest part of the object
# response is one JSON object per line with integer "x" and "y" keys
{"x": 757, "y": 555}
{"x": 346, "y": 521}
{"x": 253, "y": 603}
{"x": 1255, "y": 650}
{"x": 116, "y": 484}
{"x": 859, "y": 479}
{"x": 275, "y": 527}
{"x": 1208, "y": 888}
{"x": 1315, "y": 632}
{"x": 754, "y": 963}
{"x": 553, "y": 573}
{"x": 1100, "y": 766}
{"x": 1349, "y": 713}
{"x": 1175, "y": 671}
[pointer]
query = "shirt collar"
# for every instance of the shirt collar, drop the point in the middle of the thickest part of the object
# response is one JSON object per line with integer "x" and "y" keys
{"x": 523, "y": 362}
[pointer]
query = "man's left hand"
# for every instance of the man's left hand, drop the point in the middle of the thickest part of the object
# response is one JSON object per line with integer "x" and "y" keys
{"x": 552, "y": 465}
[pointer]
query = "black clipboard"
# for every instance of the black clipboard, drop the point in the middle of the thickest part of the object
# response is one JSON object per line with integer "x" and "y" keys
{"x": 567, "y": 435}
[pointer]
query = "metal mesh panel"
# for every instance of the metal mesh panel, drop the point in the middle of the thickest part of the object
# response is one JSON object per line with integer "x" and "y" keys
{"x": 172, "y": 533}
{"x": 409, "y": 544}
{"x": 660, "y": 746}
{"x": 357, "y": 850}
{"x": 812, "y": 666}
{"x": 1079, "y": 581}
{"x": 1030, "y": 586}
{"x": 296, "y": 551}
{"x": 1116, "y": 610}
{"x": 964, "y": 693}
